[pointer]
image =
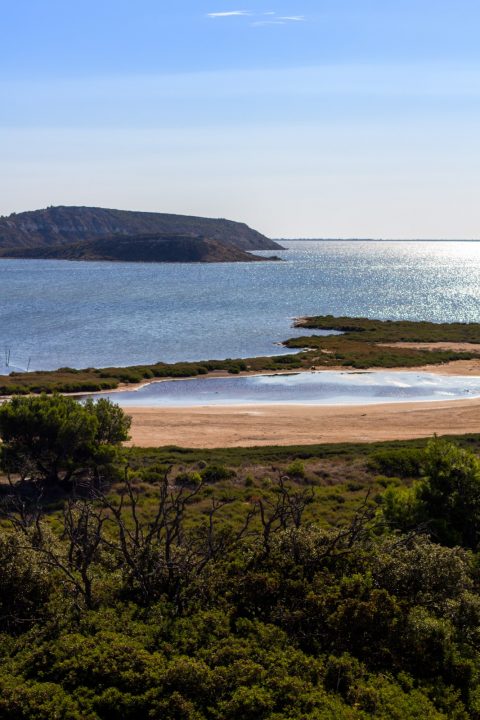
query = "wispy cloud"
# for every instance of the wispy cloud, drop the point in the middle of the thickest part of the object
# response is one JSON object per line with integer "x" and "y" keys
{"x": 259, "y": 23}
{"x": 273, "y": 18}
{"x": 229, "y": 13}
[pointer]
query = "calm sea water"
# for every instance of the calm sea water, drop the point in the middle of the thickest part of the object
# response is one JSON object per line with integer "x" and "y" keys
{"x": 96, "y": 314}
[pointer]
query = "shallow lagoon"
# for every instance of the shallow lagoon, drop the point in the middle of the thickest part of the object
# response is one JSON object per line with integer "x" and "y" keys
{"x": 311, "y": 388}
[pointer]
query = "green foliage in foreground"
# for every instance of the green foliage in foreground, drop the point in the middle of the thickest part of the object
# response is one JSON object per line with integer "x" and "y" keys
{"x": 111, "y": 608}
{"x": 53, "y": 438}
{"x": 360, "y": 346}
{"x": 446, "y": 499}
{"x": 382, "y": 456}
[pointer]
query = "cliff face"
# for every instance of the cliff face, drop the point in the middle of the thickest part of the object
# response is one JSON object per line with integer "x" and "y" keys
{"x": 139, "y": 248}
{"x": 62, "y": 225}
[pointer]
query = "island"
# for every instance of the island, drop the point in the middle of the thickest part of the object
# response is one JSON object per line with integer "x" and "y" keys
{"x": 151, "y": 248}
{"x": 100, "y": 234}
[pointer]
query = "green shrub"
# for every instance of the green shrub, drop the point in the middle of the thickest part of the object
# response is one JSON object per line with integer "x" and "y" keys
{"x": 188, "y": 479}
{"x": 52, "y": 437}
{"x": 216, "y": 473}
{"x": 296, "y": 469}
{"x": 397, "y": 462}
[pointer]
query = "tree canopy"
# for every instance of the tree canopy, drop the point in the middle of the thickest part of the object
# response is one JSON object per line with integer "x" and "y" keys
{"x": 51, "y": 438}
{"x": 446, "y": 499}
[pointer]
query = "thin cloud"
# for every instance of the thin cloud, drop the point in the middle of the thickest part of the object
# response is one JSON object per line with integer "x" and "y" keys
{"x": 229, "y": 13}
{"x": 259, "y": 23}
{"x": 278, "y": 19}
{"x": 273, "y": 18}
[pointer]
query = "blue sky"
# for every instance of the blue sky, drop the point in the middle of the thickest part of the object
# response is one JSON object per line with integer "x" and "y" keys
{"x": 334, "y": 118}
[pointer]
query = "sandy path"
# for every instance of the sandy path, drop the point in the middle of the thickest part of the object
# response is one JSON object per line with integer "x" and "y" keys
{"x": 453, "y": 346}
{"x": 456, "y": 367}
{"x": 248, "y": 426}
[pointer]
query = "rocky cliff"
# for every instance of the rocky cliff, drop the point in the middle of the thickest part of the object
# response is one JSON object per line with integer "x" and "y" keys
{"x": 139, "y": 248}
{"x": 62, "y": 225}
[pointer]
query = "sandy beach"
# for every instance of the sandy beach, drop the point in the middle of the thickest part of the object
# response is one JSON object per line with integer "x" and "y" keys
{"x": 248, "y": 426}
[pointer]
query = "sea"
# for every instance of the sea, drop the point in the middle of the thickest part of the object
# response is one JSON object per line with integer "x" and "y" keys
{"x": 96, "y": 314}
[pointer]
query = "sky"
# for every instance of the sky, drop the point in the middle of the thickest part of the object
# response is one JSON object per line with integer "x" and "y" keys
{"x": 303, "y": 118}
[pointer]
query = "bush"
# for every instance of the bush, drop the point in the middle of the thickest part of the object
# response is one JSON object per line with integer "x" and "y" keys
{"x": 296, "y": 469}
{"x": 188, "y": 479}
{"x": 24, "y": 585}
{"x": 446, "y": 499}
{"x": 51, "y": 438}
{"x": 216, "y": 473}
{"x": 398, "y": 462}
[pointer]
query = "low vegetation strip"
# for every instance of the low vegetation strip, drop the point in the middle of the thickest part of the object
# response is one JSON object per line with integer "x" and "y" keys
{"x": 70, "y": 380}
{"x": 363, "y": 341}
{"x": 361, "y": 346}
{"x": 382, "y": 331}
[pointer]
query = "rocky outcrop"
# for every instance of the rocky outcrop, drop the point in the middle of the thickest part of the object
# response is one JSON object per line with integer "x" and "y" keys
{"x": 66, "y": 225}
{"x": 140, "y": 248}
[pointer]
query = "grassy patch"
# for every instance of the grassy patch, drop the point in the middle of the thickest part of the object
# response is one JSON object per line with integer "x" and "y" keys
{"x": 367, "y": 330}
{"x": 340, "y": 475}
{"x": 361, "y": 344}
{"x": 267, "y": 455}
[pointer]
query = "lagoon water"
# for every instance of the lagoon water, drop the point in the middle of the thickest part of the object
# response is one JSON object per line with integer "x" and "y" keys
{"x": 82, "y": 314}
{"x": 317, "y": 388}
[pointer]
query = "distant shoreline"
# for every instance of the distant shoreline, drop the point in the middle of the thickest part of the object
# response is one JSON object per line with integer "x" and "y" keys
{"x": 393, "y": 240}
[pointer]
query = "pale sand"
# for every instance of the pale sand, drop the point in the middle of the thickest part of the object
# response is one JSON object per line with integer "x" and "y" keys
{"x": 247, "y": 426}
{"x": 456, "y": 367}
{"x": 453, "y": 346}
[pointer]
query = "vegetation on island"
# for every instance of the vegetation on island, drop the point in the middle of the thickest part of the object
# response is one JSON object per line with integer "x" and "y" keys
{"x": 363, "y": 344}
{"x": 154, "y": 248}
{"x": 268, "y": 584}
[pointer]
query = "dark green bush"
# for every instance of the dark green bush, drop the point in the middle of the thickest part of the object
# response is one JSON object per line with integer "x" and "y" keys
{"x": 397, "y": 462}
{"x": 216, "y": 473}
